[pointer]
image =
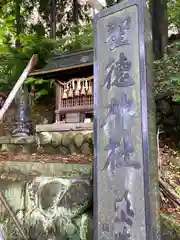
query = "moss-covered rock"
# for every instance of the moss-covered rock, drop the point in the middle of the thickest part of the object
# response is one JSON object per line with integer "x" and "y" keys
{"x": 79, "y": 139}
{"x": 67, "y": 139}
{"x": 56, "y": 139}
{"x": 170, "y": 227}
{"x": 50, "y": 143}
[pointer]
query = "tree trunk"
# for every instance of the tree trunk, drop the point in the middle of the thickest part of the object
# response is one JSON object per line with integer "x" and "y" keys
{"x": 53, "y": 19}
{"x": 18, "y": 23}
{"x": 158, "y": 10}
{"x": 75, "y": 11}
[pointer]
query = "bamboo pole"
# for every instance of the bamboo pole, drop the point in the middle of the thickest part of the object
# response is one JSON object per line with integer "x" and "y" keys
{"x": 3, "y": 110}
{"x": 12, "y": 215}
{"x": 18, "y": 85}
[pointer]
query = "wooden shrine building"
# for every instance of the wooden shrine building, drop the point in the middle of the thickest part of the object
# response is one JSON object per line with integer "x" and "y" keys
{"x": 73, "y": 75}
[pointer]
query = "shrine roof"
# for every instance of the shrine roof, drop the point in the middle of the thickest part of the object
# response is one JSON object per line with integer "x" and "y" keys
{"x": 66, "y": 61}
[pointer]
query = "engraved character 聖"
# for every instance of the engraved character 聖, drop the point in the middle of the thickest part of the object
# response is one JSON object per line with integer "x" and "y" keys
{"x": 117, "y": 32}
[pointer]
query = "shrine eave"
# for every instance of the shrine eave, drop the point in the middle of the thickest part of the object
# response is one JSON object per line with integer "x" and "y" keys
{"x": 44, "y": 72}
{"x": 65, "y": 62}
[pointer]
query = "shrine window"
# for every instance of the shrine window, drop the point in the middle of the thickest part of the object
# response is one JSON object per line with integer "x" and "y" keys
{"x": 74, "y": 100}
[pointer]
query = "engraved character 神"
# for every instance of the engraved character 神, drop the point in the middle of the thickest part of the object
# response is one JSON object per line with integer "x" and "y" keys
{"x": 119, "y": 146}
{"x": 111, "y": 147}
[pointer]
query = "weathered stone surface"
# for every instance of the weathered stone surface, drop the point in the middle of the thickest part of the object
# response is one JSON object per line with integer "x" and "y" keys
{"x": 125, "y": 146}
{"x": 176, "y": 111}
{"x": 171, "y": 120}
{"x": 49, "y": 149}
{"x": 165, "y": 107}
{"x": 5, "y": 139}
{"x": 23, "y": 140}
{"x": 60, "y": 200}
{"x": 64, "y": 150}
{"x": 30, "y": 169}
{"x": 67, "y": 139}
{"x": 158, "y": 117}
{"x": 85, "y": 149}
{"x": 89, "y": 137}
{"x": 78, "y": 139}
{"x": 45, "y": 138}
{"x": 51, "y": 203}
{"x": 49, "y": 143}
{"x": 168, "y": 123}
{"x": 72, "y": 148}
{"x": 5, "y": 147}
{"x": 56, "y": 139}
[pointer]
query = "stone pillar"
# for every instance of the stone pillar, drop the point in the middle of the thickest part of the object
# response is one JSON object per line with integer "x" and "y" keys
{"x": 125, "y": 169}
{"x": 22, "y": 126}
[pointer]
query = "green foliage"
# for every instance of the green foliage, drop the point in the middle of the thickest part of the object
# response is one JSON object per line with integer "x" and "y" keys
{"x": 13, "y": 60}
{"x": 168, "y": 72}
{"x": 174, "y": 13}
{"x": 43, "y": 87}
{"x": 81, "y": 37}
{"x": 172, "y": 224}
{"x": 34, "y": 38}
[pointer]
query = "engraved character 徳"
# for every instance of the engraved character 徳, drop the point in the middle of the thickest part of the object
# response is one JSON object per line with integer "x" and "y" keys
{"x": 117, "y": 72}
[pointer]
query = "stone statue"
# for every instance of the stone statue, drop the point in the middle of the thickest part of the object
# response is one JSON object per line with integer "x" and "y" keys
{"x": 56, "y": 209}
{"x": 60, "y": 208}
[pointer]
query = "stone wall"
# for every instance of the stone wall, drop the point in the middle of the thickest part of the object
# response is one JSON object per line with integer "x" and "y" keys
{"x": 61, "y": 144}
{"x": 167, "y": 115}
{"x": 47, "y": 180}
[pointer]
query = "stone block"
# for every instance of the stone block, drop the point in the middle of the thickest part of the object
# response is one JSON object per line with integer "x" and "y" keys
{"x": 45, "y": 138}
{"x": 86, "y": 149}
{"x": 56, "y": 139}
{"x": 79, "y": 139}
{"x": 67, "y": 139}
